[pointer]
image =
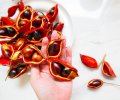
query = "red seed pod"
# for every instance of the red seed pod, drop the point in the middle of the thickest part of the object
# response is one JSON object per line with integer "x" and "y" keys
{"x": 19, "y": 44}
{"x": 18, "y": 70}
{"x": 107, "y": 70}
{"x": 7, "y": 50}
{"x": 4, "y": 61}
{"x": 58, "y": 26}
{"x": 32, "y": 55}
{"x": 7, "y": 21}
{"x": 95, "y": 83}
{"x": 54, "y": 48}
{"x": 35, "y": 35}
{"x": 89, "y": 61}
{"x": 61, "y": 70}
{"x": 24, "y": 16}
{"x": 52, "y": 13}
{"x": 12, "y": 10}
{"x": 8, "y": 32}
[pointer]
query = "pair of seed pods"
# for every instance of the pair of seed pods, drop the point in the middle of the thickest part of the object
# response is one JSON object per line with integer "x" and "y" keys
{"x": 106, "y": 70}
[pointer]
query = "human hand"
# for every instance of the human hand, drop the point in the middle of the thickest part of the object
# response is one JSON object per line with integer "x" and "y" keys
{"x": 44, "y": 85}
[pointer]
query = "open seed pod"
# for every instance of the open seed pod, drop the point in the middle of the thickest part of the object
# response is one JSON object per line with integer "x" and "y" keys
{"x": 62, "y": 70}
{"x": 54, "y": 48}
{"x": 25, "y": 16}
{"x": 18, "y": 70}
{"x": 7, "y": 50}
{"x": 32, "y": 55}
{"x": 8, "y": 32}
{"x": 36, "y": 35}
{"x": 52, "y": 13}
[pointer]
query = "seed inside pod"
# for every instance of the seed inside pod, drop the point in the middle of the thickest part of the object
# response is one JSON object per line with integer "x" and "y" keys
{"x": 10, "y": 31}
{"x": 27, "y": 14}
{"x": 2, "y": 31}
{"x": 13, "y": 72}
{"x": 21, "y": 67}
{"x": 65, "y": 72}
{"x": 37, "y": 35}
{"x": 36, "y": 57}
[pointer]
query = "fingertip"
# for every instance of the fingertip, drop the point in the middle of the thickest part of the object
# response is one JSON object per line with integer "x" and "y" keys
{"x": 54, "y": 35}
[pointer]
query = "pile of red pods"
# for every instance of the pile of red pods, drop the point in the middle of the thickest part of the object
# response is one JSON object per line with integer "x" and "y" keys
{"x": 21, "y": 39}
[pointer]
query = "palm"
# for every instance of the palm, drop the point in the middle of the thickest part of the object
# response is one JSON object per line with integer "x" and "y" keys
{"x": 45, "y": 86}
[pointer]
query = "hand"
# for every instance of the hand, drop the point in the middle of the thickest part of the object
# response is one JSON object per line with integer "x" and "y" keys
{"x": 44, "y": 85}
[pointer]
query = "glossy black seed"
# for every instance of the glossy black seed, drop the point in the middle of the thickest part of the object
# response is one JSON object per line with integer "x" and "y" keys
{"x": 2, "y": 31}
{"x": 96, "y": 83}
{"x": 11, "y": 31}
{"x": 54, "y": 49}
{"x": 13, "y": 72}
{"x": 65, "y": 72}
{"x": 37, "y": 35}
{"x": 56, "y": 25}
{"x": 37, "y": 22}
{"x": 20, "y": 67}
{"x": 27, "y": 14}
{"x": 57, "y": 68}
{"x": 29, "y": 37}
{"x": 39, "y": 47}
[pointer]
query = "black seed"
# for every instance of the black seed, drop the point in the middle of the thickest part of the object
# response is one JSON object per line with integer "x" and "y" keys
{"x": 13, "y": 72}
{"x": 96, "y": 83}
{"x": 11, "y": 32}
{"x": 27, "y": 14}
{"x": 37, "y": 22}
{"x": 29, "y": 37}
{"x": 8, "y": 53}
{"x": 65, "y": 72}
{"x": 39, "y": 47}
{"x": 37, "y": 35}
{"x": 20, "y": 67}
{"x": 2, "y": 31}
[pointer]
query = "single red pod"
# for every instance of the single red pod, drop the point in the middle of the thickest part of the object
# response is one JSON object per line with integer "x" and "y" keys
{"x": 12, "y": 10}
{"x": 89, "y": 61}
{"x": 18, "y": 70}
{"x": 95, "y": 83}
{"x": 52, "y": 13}
{"x": 21, "y": 5}
{"x": 58, "y": 26}
{"x": 7, "y": 21}
{"x": 54, "y": 48}
{"x": 4, "y": 61}
{"x": 61, "y": 70}
{"x": 107, "y": 70}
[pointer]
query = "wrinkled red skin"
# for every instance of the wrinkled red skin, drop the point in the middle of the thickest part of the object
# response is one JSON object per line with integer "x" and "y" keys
{"x": 52, "y": 18}
{"x": 7, "y": 21}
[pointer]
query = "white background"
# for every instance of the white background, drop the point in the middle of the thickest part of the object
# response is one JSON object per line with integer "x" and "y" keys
{"x": 96, "y": 28}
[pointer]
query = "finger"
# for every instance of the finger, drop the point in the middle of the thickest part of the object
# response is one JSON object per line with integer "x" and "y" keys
{"x": 63, "y": 42}
{"x": 69, "y": 55}
{"x": 44, "y": 46}
{"x": 54, "y": 35}
{"x": 35, "y": 72}
{"x": 63, "y": 54}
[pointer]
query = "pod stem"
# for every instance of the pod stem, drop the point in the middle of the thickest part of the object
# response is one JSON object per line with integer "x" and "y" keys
{"x": 103, "y": 59}
{"x": 112, "y": 84}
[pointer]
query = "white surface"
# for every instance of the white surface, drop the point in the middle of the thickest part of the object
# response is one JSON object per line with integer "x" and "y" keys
{"x": 96, "y": 29}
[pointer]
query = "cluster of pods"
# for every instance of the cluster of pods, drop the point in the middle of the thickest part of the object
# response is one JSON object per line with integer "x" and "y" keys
{"x": 21, "y": 38}
{"x": 106, "y": 70}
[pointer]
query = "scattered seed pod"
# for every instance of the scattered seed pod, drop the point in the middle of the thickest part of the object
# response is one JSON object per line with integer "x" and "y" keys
{"x": 62, "y": 70}
{"x": 89, "y": 61}
{"x": 12, "y": 10}
{"x": 54, "y": 48}
{"x": 107, "y": 70}
{"x": 95, "y": 83}
{"x": 17, "y": 71}
{"x": 52, "y": 13}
